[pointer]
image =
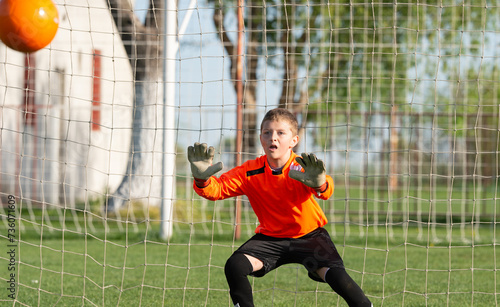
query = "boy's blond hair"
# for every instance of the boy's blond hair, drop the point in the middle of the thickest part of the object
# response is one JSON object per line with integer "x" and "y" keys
{"x": 282, "y": 114}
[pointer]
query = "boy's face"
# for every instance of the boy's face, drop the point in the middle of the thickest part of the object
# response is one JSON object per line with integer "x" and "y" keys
{"x": 277, "y": 139}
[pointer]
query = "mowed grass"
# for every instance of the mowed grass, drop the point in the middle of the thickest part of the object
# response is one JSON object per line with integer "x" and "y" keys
{"x": 135, "y": 268}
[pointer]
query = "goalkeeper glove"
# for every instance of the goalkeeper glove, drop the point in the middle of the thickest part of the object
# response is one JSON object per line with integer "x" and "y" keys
{"x": 200, "y": 157}
{"x": 314, "y": 174}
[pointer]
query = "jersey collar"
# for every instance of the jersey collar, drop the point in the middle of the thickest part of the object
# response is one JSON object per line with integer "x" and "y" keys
{"x": 280, "y": 170}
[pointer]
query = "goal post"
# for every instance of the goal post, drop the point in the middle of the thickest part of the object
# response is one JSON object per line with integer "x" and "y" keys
{"x": 399, "y": 99}
{"x": 170, "y": 49}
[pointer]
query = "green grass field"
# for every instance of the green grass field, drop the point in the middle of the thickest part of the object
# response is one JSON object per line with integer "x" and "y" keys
{"x": 406, "y": 264}
{"x": 134, "y": 268}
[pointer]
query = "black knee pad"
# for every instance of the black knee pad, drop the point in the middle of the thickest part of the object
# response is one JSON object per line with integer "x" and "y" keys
{"x": 236, "y": 269}
{"x": 237, "y": 265}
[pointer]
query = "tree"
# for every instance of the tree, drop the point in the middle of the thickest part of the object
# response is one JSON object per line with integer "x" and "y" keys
{"x": 335, "y": 58}
{"x": 323, "y": 51}
{"x": 473, "y": 106}
{"x": 346, "y": 60}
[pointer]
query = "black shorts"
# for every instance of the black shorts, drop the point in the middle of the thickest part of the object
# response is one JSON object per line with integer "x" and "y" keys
{"x": 315, "y": 250}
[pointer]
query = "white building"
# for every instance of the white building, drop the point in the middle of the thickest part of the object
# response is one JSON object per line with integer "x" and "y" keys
{"x": 66, "y": 110}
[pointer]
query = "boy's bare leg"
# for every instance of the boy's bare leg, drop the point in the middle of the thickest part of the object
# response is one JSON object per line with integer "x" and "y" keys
{"x": 256, "y": 263}
{"x": 343, "y": 285}
{"x": 321, "y": 272}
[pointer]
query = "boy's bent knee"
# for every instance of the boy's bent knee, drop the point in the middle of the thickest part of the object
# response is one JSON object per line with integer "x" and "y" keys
{"x": 237, "y": 265}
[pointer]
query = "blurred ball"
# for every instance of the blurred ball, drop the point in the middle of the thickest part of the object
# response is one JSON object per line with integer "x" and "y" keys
{"x": 28, "y": 25}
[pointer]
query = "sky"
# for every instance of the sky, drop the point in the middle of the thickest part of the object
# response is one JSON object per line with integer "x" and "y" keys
{"x": 140, "y": 8}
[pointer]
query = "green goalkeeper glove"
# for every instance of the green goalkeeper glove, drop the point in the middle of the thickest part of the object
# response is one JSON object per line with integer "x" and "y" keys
{"x": 314, "y": 174}
{"x": 201, "y": 161}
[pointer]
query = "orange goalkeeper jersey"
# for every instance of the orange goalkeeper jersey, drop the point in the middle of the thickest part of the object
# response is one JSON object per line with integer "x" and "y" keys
{"x": 285, "y": 207}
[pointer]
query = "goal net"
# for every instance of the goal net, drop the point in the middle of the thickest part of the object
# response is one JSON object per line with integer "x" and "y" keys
{"x": 399, "y": 99}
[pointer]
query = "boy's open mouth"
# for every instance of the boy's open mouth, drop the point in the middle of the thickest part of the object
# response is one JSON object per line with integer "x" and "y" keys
{"x": 273, "y": 147}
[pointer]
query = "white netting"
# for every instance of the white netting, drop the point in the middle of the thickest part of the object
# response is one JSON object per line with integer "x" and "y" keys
{"x": 400, "y": 99}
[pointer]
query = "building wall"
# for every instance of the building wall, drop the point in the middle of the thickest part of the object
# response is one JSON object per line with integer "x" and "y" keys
{"x": 52, "y": 152}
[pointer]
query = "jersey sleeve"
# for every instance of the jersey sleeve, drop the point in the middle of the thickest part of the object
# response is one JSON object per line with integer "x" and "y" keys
{"x": 229, "y": 184}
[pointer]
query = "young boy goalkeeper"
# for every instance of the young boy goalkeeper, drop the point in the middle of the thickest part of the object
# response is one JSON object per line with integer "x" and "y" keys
{"x": 281, "y": 187}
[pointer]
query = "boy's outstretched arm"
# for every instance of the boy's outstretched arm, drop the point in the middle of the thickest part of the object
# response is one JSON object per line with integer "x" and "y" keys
{"x": 314, "y": 174}
{"x": 200, "y": 157}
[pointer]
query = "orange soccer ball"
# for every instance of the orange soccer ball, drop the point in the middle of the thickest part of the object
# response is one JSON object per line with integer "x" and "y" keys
{"x": 28, "y": 25}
